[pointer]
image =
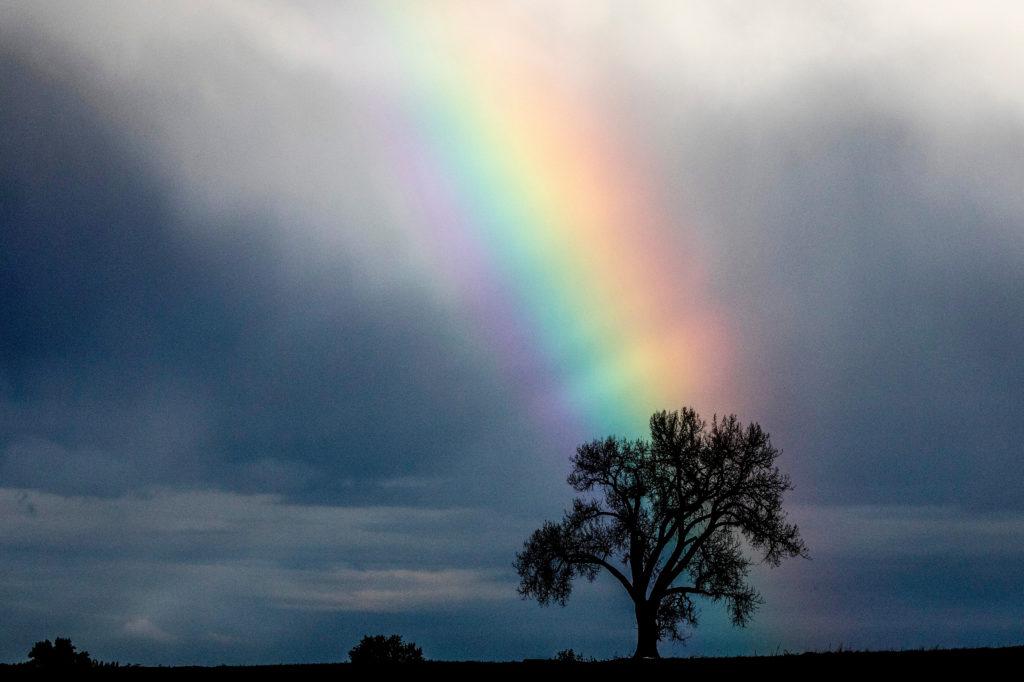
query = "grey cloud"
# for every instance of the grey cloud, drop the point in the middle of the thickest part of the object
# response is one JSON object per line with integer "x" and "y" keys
{"x": 199, "y": 361}
{"x": 874, "y": 290}
{"x": 188, "y": 576}
{"x": 37, "y": 463}
{"x": 214, "y": 333}
{"x": 211, "y": 524}
{"x": 145, "y": 628}
{"x": 881, "y": 575}
{"x": 160, "y": 575}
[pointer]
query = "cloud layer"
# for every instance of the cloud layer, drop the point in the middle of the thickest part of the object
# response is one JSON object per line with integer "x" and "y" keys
{"x": 239, "y": 417}
{"x": 210, "y": 576}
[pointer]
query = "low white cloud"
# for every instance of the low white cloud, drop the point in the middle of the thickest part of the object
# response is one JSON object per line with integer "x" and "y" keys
{"x": 144, "y": 628}
{"x": 358, "y": 558}
{"x": 389, "y": 590}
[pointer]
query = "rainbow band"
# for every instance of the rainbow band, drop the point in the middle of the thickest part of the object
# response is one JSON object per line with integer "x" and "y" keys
{"x": 590, "y": 297}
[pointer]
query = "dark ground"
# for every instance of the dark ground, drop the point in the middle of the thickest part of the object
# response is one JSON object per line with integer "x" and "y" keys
{"x": 1005, "y": 661}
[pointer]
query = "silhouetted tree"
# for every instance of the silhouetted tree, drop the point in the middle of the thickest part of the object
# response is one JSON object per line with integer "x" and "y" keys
{"x": 569, "y": 656}
{"x": 669, "y": 518}
{"x": 381, "y": 649}
{"x": 59, "y": 654}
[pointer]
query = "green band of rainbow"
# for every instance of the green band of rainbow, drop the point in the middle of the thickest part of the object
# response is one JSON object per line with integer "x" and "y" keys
{"x": 530, "y": 212}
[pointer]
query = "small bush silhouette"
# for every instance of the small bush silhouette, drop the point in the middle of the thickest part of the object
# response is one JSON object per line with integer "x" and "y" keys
{"x": 381, "y": 649}
{"x": 61, "y": 653}
{"x": 569, "y": 656}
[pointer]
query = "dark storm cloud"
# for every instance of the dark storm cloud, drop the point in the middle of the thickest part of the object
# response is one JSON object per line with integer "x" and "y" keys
{"x": 236, "y": 425}
{"x": 88, "y": 275}
{"x": 162, "y": 361}
{"x": 878, "y": 296}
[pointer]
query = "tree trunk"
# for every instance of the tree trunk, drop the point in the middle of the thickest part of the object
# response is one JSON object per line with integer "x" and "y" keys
{"x": 646, "y": 631}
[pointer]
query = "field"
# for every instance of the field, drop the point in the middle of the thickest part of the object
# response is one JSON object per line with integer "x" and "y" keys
{"x": 844, "y": 662}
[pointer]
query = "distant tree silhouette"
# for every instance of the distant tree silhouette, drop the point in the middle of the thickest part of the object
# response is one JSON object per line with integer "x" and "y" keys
{"x": 59, "y": 654}
{"x": 569, "y": 656}
{"x": 669, "y": 519}
{"x": 381, "y": 649}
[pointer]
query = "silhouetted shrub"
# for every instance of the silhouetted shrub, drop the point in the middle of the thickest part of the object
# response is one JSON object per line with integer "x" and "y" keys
{"x": 60, "y": 653}
{"x": 569, "y": 656}
{"x": 381, "y": 649}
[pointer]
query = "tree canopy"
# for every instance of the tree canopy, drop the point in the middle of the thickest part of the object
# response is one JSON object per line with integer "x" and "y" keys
{"x": 381, "y": 649}
{"x": 672, "y": 519}
{"x": 60, "y": 653}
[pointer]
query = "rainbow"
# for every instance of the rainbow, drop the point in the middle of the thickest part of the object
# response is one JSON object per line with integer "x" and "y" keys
{"x": 534, "y": 217}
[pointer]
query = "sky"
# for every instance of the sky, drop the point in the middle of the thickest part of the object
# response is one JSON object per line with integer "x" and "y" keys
{"x": 305, "y": 306}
